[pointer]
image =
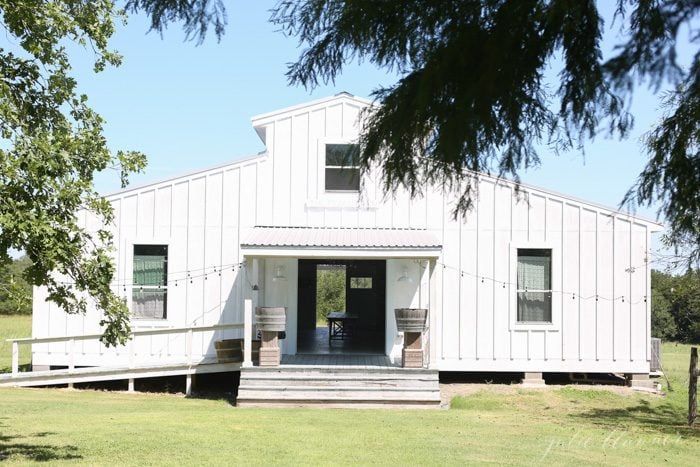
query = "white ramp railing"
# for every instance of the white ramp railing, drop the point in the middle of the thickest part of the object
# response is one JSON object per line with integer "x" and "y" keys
{"x": 71, "y": 340}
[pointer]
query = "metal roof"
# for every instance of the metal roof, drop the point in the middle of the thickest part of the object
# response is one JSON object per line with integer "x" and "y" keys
{"x": 331, "y": 237}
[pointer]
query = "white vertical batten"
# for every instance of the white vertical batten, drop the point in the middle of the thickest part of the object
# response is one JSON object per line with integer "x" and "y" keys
{"x": 493, "y": 282}
{"x": 614, "y": 299}
{"x": 597, "y": 230}
{"x": 580, "y": 267}
{"x": 476, "y": 278}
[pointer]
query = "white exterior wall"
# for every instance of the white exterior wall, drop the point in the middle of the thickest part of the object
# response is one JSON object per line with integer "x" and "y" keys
{"x": 203, "y": 216}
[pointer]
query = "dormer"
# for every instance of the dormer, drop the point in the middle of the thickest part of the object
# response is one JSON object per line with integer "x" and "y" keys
{"x": 313, "y": 154}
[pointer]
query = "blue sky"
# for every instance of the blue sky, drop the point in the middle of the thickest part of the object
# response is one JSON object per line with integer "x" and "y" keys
{"x": 189, "y": 106}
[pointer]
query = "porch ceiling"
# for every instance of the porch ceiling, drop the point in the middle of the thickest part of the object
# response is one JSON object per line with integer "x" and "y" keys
{"x": 340, "y": 242}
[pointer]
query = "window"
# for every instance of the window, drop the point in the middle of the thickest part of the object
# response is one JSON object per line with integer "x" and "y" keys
{"x": 534, "y": 285}
{"x": 342, "y": 167}
{"x": 360, "y": 282}
{"x": 150, "y": 289}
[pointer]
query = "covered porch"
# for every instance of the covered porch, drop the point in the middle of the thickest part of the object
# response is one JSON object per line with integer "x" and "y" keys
{"x": 386, "y": 269}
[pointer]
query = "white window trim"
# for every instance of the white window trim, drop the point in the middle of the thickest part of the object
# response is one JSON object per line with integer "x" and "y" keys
{"x": 129, "y": 279}
{"x": 322, "y": 142}
{"x": 555, "y": 324}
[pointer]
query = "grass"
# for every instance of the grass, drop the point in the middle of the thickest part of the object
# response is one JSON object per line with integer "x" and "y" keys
{"x": 567, "y": 425}
{"x": 14, "y": 326}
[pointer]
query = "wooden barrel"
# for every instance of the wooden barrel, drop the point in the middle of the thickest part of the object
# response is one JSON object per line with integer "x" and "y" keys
{"x": 271, "y": 318}
{"x": 410, "y": 319}
{"x": 229, "y": 350}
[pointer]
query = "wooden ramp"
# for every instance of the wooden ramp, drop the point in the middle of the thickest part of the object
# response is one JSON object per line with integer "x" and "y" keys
{"x": 91, "y": 374}
{"x": 338, "y": 385}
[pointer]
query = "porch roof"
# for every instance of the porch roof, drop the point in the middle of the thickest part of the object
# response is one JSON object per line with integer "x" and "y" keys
{"x": 326, "y": 241}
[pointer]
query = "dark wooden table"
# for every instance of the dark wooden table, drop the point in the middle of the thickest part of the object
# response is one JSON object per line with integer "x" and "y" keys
{"x": 340, "y": 325}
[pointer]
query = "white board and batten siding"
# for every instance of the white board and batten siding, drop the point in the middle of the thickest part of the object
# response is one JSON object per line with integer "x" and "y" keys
{"x": 469, "y": 289}
{"x": 201, "y": 218}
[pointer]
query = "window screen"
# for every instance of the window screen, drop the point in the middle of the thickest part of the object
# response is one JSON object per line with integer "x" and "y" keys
{"x": 150, "y": 289}
{"x": 535, "y": 285}
{"x": 342, "y": 167}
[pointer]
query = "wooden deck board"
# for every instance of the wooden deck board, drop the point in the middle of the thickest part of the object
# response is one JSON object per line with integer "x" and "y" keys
{"x": 339, "y": 360}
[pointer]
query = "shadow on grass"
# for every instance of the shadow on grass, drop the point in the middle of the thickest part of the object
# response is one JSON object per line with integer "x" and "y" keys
{"x": 662, "y": 418}
{"x": 18, "y": 446}
{"x": 228, "y": 397}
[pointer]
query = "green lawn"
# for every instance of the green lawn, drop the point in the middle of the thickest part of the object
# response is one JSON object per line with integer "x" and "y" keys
{"x": 14, "y": 326}
{"x": 503, "y": 425}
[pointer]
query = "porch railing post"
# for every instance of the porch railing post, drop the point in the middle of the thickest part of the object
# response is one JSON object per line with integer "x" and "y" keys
{"x": 71, "y": 355}
{"x": 15, "y": 358}
{"x": 189, "y": 346}
{"x": 71, "y": 358}
{"x": 132, "y": 351}
{"x": 248, "y": 333}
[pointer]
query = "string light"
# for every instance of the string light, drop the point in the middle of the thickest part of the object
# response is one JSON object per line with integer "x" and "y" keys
{"x": 189, "y": 274}
{"x": 574, "y": 295}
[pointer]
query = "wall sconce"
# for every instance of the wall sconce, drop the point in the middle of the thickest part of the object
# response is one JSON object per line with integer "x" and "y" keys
{"x": 279, "y": 274}
{"x": 404, "y": 276}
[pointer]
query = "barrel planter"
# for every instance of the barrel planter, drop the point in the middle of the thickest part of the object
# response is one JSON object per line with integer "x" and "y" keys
{"x": 412, "y": 322}
{"x": 411, "y": 319}
{"x": 272, "y": 319}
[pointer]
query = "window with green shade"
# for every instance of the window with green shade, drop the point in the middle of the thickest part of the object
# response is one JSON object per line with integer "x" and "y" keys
{"x": 342, "y": 167}
{"x": 150, "y": 277}
{"x": 534, "y": 286}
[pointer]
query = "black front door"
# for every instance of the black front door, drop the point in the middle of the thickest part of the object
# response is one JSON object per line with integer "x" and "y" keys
{"x": 365, "y": 291}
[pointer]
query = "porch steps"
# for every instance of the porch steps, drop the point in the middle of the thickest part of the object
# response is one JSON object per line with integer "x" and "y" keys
{"x": 346, "y": 386}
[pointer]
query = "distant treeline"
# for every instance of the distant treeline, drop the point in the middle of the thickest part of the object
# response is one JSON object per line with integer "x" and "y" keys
{"x": 675, "y": 306}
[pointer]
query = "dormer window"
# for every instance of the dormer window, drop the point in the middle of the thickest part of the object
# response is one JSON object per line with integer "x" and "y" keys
{"x": 342, "y": 167}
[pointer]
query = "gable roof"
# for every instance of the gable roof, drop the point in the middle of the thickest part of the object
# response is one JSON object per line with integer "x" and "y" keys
{"x": 259, "y": 121}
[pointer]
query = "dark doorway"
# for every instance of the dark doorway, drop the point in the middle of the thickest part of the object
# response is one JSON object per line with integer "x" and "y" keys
{"x": 354, "y": 287}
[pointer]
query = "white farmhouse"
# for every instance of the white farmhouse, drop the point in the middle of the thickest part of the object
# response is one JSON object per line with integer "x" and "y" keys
{"x": 526, "y": 282}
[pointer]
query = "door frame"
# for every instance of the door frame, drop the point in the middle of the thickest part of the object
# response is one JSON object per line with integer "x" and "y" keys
{"x": 306, "y": 293}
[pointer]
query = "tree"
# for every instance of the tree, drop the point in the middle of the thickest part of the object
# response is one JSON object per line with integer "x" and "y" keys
{"x": 15, "y": 292}
{"x": 472, "y": 98}
{"x": 330, "y": 291}
{"x": 663, "y": 324}
{"x": 675, "y": 306}
{"x": 52, "y": 146}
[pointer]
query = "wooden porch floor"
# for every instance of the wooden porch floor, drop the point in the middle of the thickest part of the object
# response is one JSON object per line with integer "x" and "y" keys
{"x": 339, "y": 360}
{"x": 316, "y": 342}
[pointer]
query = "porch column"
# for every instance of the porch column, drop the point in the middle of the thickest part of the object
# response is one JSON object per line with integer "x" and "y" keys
{"x": 432, "y": 314}
{"x": 247, "y": 333}
{"x": 424, "y": 302}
